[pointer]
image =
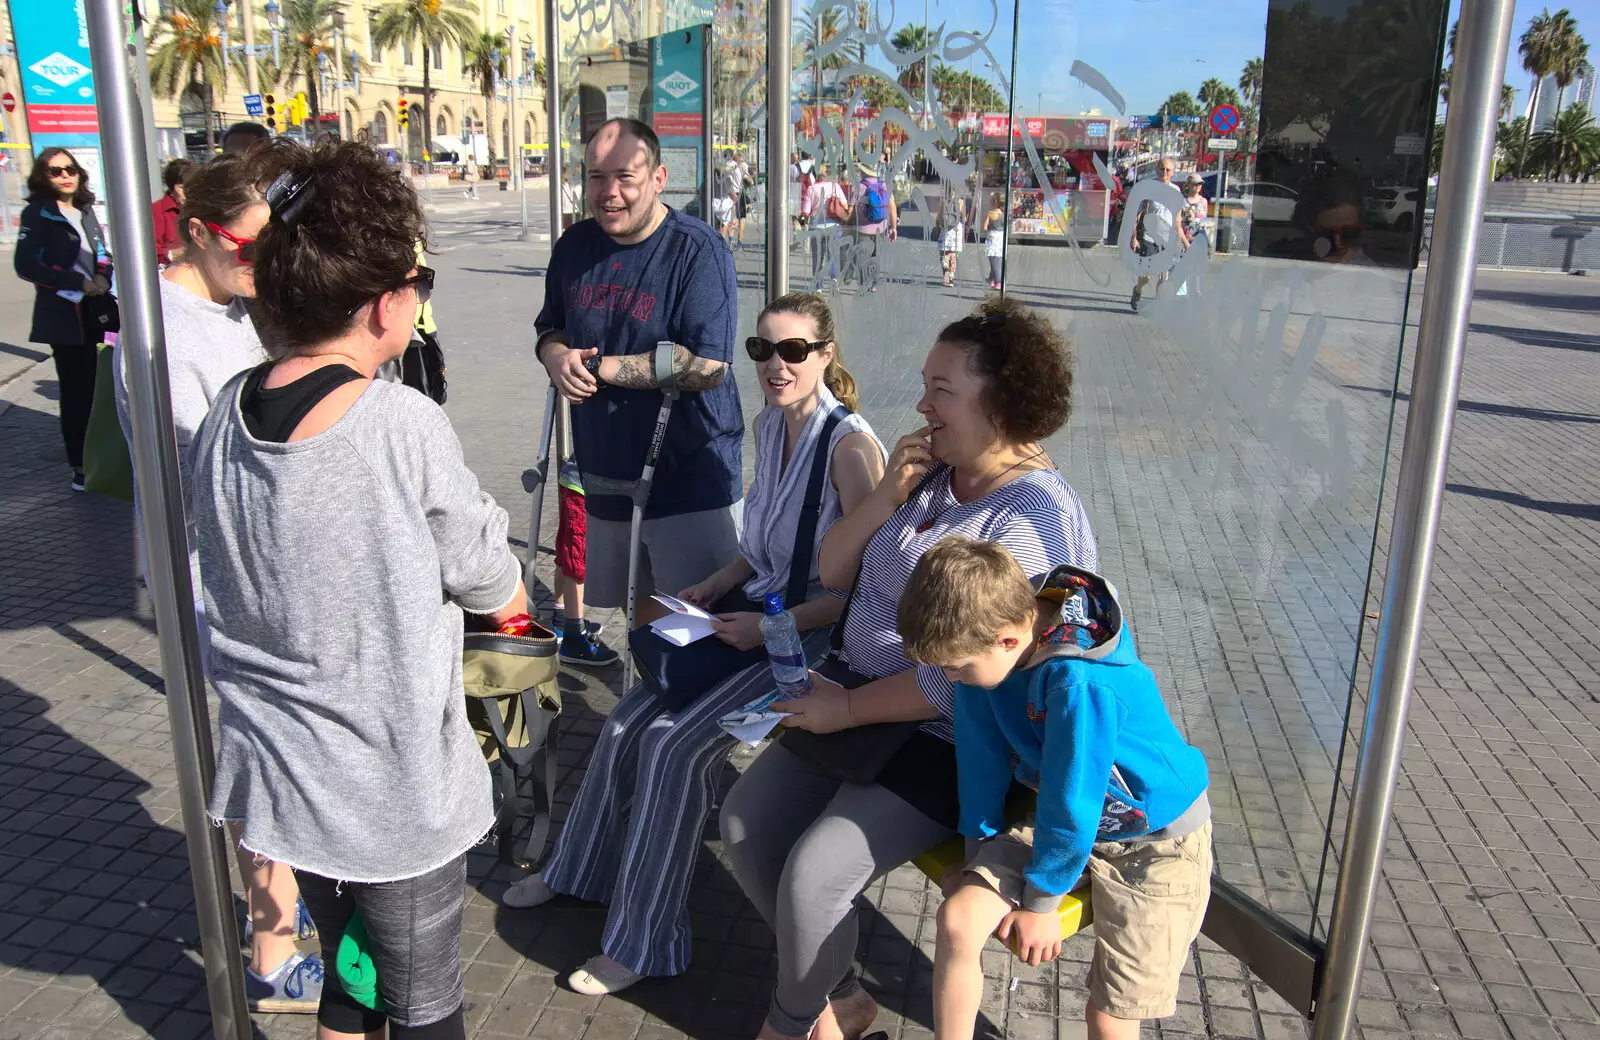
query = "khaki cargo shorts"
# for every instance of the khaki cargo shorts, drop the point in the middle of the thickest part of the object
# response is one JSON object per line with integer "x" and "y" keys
{"x": 1149, "y": 901}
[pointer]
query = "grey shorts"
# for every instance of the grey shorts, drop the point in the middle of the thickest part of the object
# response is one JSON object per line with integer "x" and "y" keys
{"x": 676, "y": 552}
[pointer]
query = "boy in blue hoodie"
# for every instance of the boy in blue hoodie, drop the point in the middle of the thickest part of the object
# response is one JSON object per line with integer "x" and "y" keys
{"x": 1051, "y": 694}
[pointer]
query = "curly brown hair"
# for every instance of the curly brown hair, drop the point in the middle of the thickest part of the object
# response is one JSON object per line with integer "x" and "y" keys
{"x": 1026, "y": 365}
{"x": 217, "y": 192}
{"x": 351, "y": 235}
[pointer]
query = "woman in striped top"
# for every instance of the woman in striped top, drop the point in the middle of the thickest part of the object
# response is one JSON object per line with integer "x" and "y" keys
{"x": 633, "y": 832}
{"x": 803, "y": 843}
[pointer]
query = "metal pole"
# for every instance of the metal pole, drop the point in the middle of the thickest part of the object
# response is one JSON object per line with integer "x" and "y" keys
{"x": 250, "y": 47}
{"x": 708, "y": 167}
{"x": 1485, "y": 30}
{"x": 338, "y": 79}
{"x": 514, "y": 152}
{"x": 141, "y": 71}
{"x": 552, "y": 107}
{"x": 161, "y": 517}
{"x": 522, "y": 152}
{"x": 779, "y": 133}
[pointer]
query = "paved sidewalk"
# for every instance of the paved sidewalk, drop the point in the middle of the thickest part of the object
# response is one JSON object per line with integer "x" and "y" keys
{"x": 1488, "y": 925}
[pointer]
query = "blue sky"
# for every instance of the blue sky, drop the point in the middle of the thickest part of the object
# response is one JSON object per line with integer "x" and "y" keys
{"x": 1149, "y": 48}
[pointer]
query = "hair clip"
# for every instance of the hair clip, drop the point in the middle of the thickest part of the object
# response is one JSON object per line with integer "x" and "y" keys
{"x": 287, "y": 196}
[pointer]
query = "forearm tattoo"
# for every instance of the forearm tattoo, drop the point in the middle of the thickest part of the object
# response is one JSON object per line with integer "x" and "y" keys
{"x": 638, "y": 371}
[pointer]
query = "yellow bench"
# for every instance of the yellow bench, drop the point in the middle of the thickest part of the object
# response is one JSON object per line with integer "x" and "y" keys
{"x": 1076, "y": 910}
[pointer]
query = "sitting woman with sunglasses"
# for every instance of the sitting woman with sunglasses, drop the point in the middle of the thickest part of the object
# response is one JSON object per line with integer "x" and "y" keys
{"x": 341, "y": 536}
{"x": 812, "y": 822}
{"x": 634, "y": 829}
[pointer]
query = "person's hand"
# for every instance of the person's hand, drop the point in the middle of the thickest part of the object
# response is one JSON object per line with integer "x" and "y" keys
{"x": 704, "y": 593}
{"x": 92, "y": 287}
{"x": 908, "y": 463}
{"x": 894, "y": 233}
{"x": 740, "y": 630}
{"x": 1035, "y": 938}
{"x": 826, "y": 710}
{"x": 565, "y": 366}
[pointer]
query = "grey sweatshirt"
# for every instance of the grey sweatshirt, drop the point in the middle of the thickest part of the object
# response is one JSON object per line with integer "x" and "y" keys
{"x": 334, "y": 568}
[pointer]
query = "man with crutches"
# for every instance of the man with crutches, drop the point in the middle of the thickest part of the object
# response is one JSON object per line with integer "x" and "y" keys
{"x": 637, "y": 331}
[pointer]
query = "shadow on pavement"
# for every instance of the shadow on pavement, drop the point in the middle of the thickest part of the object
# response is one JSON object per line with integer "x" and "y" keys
{"x": 31, "y": 353}
{"x": 1580, "y": 510}
{"x": 1545, "y": 301}
{"x": 1541, "y": 337}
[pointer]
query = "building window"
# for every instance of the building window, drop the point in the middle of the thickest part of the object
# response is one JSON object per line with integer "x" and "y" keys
{"x": 438, "y": 55}
{"x": 505, "y": 137}
{"x": 441, "y": 131}
{"x": 380, "y": 128}
{"x": 406, "y": 55}
{"x": 502, "y": 6}
{"x": 372, "y": 36}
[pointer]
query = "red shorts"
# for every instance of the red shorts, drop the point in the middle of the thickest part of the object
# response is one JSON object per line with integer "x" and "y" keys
{"x": 570, "y": 542}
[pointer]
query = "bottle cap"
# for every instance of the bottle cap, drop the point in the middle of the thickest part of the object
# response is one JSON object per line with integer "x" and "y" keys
{"x": 772, "y": 603}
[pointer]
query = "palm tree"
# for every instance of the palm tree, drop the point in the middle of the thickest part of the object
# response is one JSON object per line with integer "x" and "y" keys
{"x": 1572, "y": 55}
{"x": 188, "y": 53}
{"x": 484, "y": 59}
{"x": 1508, "y": 100}
{"x": 433, "y": 23}
{"x": 1540, "y": 48}
{"x": 1180, "y": 104}
{"x": 307, "y": 36}
{"x": 1510, "y": 142}
{"x": 1250, "y": 80}
{"x": 1570, "y": 146}
{"x": 913, "y": 39}
{"x": 1214, "y": 92}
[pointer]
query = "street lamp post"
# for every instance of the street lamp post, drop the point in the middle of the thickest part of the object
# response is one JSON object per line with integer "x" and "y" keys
{"x": 250, "y": 78}
{"x": 221, "y": 11}
{"x": 338, "y": 73}
{"x": 511, "y": 90}
{"x": 274, "y": 19}
{"x": 522, "y": 158}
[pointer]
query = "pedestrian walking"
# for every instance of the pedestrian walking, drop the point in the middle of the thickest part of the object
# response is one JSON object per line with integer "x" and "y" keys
{"x": 62, "y": 251}
{"x": 637, "y": 274}
{"x": 164, "y": 212}
{"x": 877, "y": 218}
{"x": 825, "y": 209}
{"x": 994, "y": 240}
{"x": 736, "y": 185}
{"x": 952, "y": 231}
{"x": 342, "y": 536}
{"x": 1156, "y": 228}
{"x": 633, "y": 833}
{"x": 469, "y": 177}
{"x": 1195, "y": 211}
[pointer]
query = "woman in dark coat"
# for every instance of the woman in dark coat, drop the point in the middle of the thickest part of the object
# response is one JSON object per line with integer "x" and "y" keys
{"x": 60, "y": 249}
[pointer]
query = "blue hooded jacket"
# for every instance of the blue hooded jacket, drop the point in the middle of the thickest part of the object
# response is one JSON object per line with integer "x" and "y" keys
{"x": 1083, "y": 723}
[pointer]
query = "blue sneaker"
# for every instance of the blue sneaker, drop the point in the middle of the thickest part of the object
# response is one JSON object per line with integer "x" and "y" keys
{"x": 558, "y": 624}
{"x": 587, "y": 652}
{"x": 295, "y": 988}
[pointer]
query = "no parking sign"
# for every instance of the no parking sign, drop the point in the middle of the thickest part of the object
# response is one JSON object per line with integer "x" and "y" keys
{"x": 1224, "y": 119}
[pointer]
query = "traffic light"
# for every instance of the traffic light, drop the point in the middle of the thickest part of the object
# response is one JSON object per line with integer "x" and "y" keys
{"x": 297, "y": 109}
{"x": 403, "y": 120}
{"x": 272, "y": 113}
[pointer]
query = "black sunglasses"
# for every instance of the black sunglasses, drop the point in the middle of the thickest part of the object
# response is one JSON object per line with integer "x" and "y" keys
{"x": 62, "y": 171}
{"x": 422, "y": 281}
{"x": 793, "y": 351}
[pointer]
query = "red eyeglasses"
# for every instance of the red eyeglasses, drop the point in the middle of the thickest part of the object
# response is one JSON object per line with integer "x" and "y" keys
{"x": 247, "y": 246}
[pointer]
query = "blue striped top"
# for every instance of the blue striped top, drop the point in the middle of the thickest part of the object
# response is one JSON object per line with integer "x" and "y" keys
{"x": 1037, "y": 517}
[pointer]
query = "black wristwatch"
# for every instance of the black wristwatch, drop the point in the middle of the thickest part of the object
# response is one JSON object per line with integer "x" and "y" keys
{"x": 593, "y": 365}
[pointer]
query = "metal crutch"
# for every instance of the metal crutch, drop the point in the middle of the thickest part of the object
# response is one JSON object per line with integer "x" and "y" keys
{"x": 534, "y": 482}
{"x": 639, "y": 490}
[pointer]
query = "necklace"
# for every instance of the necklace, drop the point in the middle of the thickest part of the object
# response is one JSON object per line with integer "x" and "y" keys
{"x": 987, "y": 486}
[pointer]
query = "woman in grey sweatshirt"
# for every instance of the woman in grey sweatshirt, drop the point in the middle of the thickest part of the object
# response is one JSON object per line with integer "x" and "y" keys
{"x": 341, "y": 536}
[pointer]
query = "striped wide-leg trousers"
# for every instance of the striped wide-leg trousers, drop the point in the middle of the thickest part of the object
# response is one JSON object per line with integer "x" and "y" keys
{"x": 633, "y": 833}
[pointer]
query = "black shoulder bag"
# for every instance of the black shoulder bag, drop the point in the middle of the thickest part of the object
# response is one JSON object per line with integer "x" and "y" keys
{"x": 677, "y": 675}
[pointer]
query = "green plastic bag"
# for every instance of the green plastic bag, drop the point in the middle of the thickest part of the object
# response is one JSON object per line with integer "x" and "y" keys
{"x": 107, "y": 466}
{"x": 353, "y": 964}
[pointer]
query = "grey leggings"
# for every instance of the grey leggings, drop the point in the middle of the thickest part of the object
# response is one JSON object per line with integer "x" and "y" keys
{"x": 803, "y": 846}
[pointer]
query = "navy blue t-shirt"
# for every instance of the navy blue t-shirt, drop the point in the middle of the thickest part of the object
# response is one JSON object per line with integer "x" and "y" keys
{"x": 676, "y": 285}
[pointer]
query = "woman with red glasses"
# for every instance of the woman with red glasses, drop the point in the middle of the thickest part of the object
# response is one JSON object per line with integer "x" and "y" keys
{"x": 62, "y": 251}
{"x": 210, "y": 339}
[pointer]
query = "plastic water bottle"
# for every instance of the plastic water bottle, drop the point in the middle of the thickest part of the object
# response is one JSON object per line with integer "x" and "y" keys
{"x": 784, "y": 652}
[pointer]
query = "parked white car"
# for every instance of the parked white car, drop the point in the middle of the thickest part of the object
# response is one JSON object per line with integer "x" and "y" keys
{"x": 1268, "y": 202}
{"x": 1394, "y": 206}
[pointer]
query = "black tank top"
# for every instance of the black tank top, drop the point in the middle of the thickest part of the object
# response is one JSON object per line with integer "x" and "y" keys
{"x": 272, "y": 415}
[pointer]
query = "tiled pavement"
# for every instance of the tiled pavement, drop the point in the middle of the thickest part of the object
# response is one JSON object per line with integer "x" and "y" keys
{"x": 1487, "y": 925}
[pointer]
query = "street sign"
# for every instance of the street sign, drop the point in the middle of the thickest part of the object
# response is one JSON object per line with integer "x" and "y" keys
{"x": 1222, "y": 144}
{"x": 1140, "y": 122}
{"x": 1224, "y": 119}
{"x": 9, "y": 101}
{"x": 253, "y": 106}
{"x": 1408, "y": 144}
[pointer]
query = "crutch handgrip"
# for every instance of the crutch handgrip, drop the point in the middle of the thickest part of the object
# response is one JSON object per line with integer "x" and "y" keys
{"x": 666, "y": 378}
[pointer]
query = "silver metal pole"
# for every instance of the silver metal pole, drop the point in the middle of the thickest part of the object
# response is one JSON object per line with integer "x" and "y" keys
{"x": 552, "y": 106}
{"x": 250, "y": 78}
{"x": 520, "y": 151}
{"x": 708, "y": 161}
{"x": 514, "y": 152}
{"x": 779, "y": 133}
{"x": 1485, "y": 30}
{"x": 338, "y": 80}
{"x": 161, "y": 517}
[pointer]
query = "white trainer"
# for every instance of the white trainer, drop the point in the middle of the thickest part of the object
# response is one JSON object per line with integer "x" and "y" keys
{"x": 601, "y": 975}
{"x": 530, "y": 891}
